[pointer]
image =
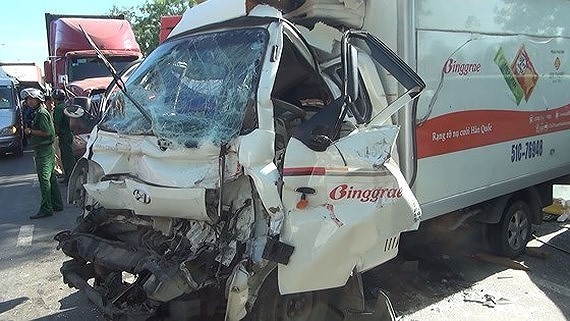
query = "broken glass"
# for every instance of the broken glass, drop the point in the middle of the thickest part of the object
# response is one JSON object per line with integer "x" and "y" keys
{"x": 197, "y": 89}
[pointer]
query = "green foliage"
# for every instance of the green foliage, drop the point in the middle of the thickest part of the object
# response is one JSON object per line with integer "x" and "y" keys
{"x": 145, "y": 19}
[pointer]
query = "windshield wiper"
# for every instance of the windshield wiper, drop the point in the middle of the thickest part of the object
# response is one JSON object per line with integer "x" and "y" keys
{"x": 116, "y": 77}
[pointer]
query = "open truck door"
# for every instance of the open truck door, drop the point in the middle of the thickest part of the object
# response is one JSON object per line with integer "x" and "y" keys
{"x": 339, "y": 168}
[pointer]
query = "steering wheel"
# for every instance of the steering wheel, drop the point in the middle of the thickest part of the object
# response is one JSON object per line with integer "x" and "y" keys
{"x": 295, "y": 110}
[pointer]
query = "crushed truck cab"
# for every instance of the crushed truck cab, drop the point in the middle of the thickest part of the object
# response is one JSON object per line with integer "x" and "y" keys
{"x": 265, "y": 156}
{"x": 246, "y": 171}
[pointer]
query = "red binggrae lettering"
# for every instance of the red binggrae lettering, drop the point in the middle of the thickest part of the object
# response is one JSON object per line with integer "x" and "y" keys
{"x": 364, "y": 195}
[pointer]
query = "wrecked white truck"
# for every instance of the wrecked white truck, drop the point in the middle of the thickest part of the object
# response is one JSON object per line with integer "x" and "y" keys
{"x": 243, "y": 173}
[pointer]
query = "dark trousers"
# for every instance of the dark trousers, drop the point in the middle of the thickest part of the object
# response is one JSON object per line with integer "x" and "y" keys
{"x": 67, "y": 158}
{"x": 45, "y": 168}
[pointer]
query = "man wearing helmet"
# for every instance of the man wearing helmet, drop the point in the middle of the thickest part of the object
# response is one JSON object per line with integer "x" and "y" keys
{"x": 41, "y": 136}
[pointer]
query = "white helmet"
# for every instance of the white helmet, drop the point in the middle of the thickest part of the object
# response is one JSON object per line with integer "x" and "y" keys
{"x": 32, "y": 92}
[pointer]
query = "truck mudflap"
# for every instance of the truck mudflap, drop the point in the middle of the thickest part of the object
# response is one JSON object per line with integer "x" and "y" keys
{"x": 380, "y": 309}
{"x": 356, "y": 306}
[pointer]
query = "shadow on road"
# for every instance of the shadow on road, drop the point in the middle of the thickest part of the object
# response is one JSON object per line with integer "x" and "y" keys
{"x": 551, "y": 273}
{"x": 75, "y": 307}
{"x": 9, "y": 305}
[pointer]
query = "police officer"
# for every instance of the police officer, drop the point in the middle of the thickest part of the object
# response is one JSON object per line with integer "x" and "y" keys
{"x": 41, "y": 135}
{"x": 64, "y": 134}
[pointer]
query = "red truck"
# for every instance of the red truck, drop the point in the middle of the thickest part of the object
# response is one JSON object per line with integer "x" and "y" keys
{"x": 73, "y": 65}
{"x": 167, "y": 23}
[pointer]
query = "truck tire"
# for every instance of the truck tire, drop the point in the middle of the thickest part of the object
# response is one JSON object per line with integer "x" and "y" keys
{"x": 272, "y": 306}
{"x": 512, "y": 233}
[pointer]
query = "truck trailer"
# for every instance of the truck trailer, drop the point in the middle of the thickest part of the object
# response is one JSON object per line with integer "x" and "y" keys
{"x": 28, "y": 74}
{"x": 73, "y": 66}
{"x": 269, "y": 153}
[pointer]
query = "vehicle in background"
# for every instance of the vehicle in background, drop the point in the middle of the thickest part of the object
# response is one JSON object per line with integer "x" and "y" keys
{"x": 269, "y": 153}
{"x": 28, "y": 74}
{"x": 11, "y": 125}
{"x": 167, "y": 23}
{"x": 74, "y": 67}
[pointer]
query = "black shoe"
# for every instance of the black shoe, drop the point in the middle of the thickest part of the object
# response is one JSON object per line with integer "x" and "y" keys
{"x": 40, "y": 214}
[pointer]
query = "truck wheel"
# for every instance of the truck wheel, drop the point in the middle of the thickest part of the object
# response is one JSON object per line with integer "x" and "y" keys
{"x": 511, "y": 235}
{"x": 272, "y": 306}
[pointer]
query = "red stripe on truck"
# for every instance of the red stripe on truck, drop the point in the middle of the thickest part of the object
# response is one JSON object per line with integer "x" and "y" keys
{"x": 304, "y": 171}
{"x": 463, "y": 130}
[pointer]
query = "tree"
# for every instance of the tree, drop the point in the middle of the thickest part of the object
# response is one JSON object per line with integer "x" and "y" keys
{"x": 145, "y": 19}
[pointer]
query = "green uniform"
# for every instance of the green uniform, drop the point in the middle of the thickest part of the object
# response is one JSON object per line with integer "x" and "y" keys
{"x": 45, "y": 162}
{"x": 65, "y": 137}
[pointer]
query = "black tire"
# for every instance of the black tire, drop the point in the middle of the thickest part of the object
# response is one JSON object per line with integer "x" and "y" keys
{"x": 271, "y": 306}
{"x": 511, "y": 235}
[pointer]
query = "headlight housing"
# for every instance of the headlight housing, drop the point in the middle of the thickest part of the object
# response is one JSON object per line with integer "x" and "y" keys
{"x": 8, "y": 131}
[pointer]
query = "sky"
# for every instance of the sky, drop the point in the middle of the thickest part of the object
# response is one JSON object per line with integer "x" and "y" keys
{"x": 23, "y": 35}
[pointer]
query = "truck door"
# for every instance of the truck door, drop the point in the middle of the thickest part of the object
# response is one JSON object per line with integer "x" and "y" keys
{"x": 347, "y": 201}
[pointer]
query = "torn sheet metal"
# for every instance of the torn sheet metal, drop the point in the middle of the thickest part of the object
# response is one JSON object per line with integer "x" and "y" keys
{"x": 139, "y": 156}
{"x": 360, "y": 200}
{"x": 257, "y": 159}
{"x": 375, "y": 147}
{"x": 320, "y": 241}
{"x": 349, "y": 13}
{"x": 209, "y": 12}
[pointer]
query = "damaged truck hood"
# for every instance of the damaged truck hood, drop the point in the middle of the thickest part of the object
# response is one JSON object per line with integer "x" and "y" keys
{"x": 142, "y": 157}
{"x": 136, "y": 174}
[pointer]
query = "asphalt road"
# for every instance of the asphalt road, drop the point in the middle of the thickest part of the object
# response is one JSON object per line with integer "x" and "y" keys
{"x": 446, "y": 282}
{"x": 31, "y": 286}
{"x": 456, "y": 278}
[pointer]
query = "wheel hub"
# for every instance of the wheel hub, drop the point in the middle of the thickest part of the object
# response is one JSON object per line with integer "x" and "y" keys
{"x": 517, "y": 230}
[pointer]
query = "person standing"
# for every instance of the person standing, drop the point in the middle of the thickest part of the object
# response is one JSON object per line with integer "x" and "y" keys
{"x": 41, "y": 135}
{"x": 64, "y": 134}
{"x": 27, "y": 117}
{"x": 50, "y": 106}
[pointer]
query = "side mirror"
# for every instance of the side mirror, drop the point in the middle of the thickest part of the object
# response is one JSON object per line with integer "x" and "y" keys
{"x": 78, "y": 107}
{"x": 48, "y": 72}
{"x": 74, "y": 111}
{"x": 83, "y": 102}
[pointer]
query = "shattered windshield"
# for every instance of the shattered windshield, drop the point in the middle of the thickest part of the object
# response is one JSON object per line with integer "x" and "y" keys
{"x": 196, "y": 89}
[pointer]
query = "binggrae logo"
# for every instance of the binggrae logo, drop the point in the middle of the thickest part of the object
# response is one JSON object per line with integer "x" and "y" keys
{"x": 453, "y": 66}
{"x": 372, "y": 195}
